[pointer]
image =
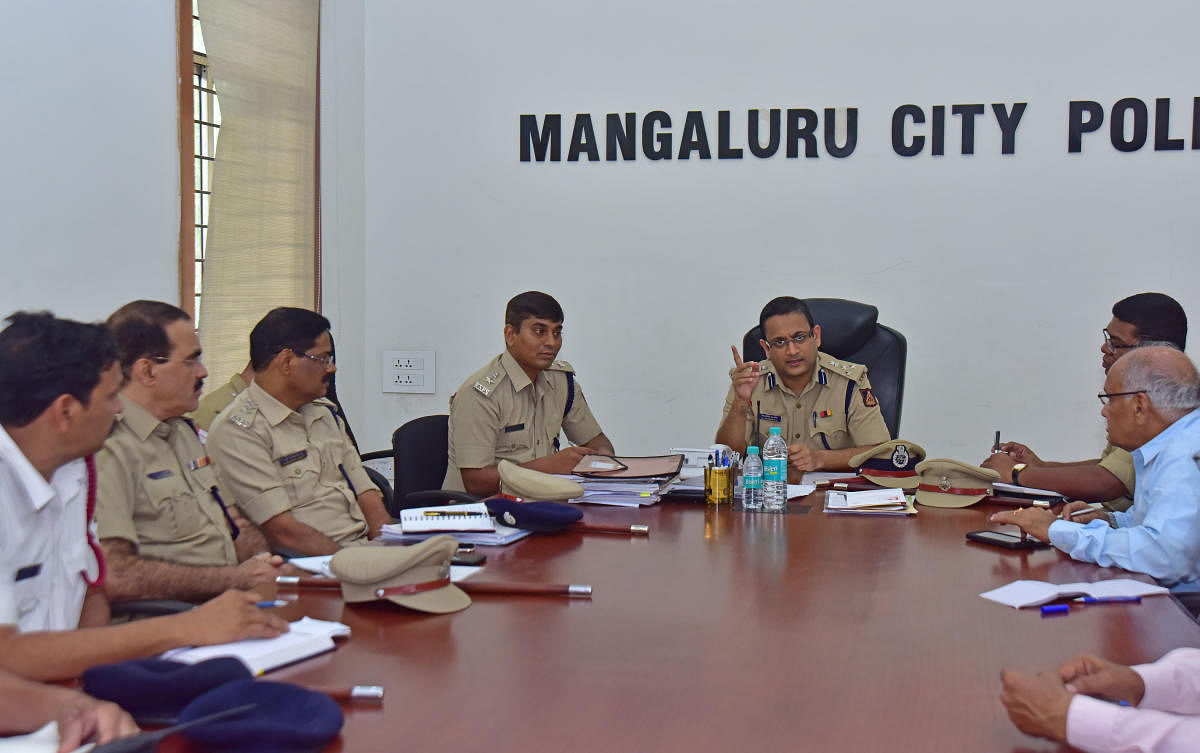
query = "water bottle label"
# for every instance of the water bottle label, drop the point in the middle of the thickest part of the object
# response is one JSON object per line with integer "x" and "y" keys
{"x": 752, "y": 482}
{"x": 775, "y": 470}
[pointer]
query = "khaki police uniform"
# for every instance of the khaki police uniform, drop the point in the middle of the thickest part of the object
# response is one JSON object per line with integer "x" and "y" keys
{"x": 275, "y": 460}
{"x": 216, "y": 401}
{"x": 154, "y": 489}
{"x": 1119, "y": 463}
{"x": 835, "y": 410}
{"x": 499, "y": 414}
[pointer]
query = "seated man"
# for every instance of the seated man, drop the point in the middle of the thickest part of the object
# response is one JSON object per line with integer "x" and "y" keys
{"x": 281, "y": 449}
{"x": 1078, "y": 703}
{"x": 1139, "y": 318}
{"x": 211, "y": 405}
{"x": 162, "y": 523}
{"x": 514, "y": 407}
{"x": 28, "y": 706}
{"x": 824, "y": 406}
{"x": 1152, "y": 405}
{"x": 58, "y": 396}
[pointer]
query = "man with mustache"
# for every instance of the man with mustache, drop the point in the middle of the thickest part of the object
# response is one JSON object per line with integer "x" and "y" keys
{"x": 515, "y": 406}
{"x": 163, "y": 524}
{"x": 282, "y": 450}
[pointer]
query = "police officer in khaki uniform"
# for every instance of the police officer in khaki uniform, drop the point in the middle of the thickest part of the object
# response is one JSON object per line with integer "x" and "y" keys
{"x": 164, "y": 528}
{"x": 216, "y": 401}
{"x": 514, "y": 407}
{"x": 1137, "y": 320}
{"x": 825, "y": 407}
{"x": 283, "y": 452}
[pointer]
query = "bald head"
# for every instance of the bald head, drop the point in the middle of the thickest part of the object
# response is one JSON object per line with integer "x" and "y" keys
{"x": 1165, "y": 373}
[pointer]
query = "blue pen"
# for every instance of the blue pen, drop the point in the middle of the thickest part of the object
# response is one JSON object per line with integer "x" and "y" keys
{"x": 269, "y": 604}
{"x": 1110, "y": 599}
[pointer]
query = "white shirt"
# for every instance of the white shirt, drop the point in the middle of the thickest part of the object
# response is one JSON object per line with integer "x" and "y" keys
{"x": 1166, "y": 721}
{"x": 43, "y": 542}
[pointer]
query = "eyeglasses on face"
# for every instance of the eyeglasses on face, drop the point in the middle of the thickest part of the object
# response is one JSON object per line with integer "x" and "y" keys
{"x": 1114, "y": 346}
{"x": 1105, "y": 397}
{"x": 323, "y": 360}
{"x": 781, "y": 342}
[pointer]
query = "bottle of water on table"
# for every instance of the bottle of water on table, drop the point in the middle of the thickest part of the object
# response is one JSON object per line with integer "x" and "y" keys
{"x": 752, "y": 480}
{"x": 775, "y": 458}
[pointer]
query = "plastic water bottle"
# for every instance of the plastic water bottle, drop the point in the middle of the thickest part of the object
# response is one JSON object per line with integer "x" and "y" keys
{"x": 752, "y": 480}
{"x": 775, "y": 458}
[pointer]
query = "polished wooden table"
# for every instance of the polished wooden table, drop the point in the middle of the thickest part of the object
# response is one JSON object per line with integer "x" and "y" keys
{"x": 729, "y": 631}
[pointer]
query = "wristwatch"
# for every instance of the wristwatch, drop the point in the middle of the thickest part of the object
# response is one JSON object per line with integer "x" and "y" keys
{"x": 1016, "y": 473}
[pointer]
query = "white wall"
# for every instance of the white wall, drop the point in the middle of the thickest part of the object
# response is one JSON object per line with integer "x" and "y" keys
{"x": 1000, "y": 269}
{"x": 89, "y": 193}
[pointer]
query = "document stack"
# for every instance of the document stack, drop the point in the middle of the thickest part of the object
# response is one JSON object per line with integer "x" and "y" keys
{"x": 625, "y": 481}
{"x": 873, "y": 502}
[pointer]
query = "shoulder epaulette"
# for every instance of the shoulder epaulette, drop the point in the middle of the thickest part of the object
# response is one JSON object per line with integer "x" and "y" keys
{"x": 852, "y": 371}
{"x": 325, "y": 402}
{"x": 561, "y": 366}
{"x": 243, "y": 415}
{"x": 488, "y": 383}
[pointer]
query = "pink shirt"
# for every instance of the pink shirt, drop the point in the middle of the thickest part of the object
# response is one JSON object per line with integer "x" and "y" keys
{"x": 1166, "y": 721}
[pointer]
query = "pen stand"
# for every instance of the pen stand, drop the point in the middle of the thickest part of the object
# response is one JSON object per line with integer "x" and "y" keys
{"x": 718, "y": 486}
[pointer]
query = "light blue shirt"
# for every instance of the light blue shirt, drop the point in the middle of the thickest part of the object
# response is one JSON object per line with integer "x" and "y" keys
{"x": 1160, "y": 534}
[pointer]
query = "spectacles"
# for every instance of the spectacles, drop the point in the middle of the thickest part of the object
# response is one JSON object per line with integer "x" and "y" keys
{"x": 781, "y": 342}
{"x": 1108, "y": 342}
{"x": 191, "y": 363}
{"x": 323, "y": 360}
{"x": 1106, "y": 396}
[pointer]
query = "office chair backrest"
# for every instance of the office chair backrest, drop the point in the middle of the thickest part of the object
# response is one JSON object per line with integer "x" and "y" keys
{"x": 419, "y": 452}
{"x": 850, "y": 331}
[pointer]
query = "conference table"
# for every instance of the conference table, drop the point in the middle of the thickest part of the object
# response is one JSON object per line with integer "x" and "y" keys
{"x": 727, "y": 630}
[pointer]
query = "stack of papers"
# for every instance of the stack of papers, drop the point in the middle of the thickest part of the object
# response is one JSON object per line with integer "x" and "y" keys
{"x": 623, "y": 493}
{"x": 1032, "y": 593}
{"x": 502, "y": 535}
{"x": 873, "y": 502}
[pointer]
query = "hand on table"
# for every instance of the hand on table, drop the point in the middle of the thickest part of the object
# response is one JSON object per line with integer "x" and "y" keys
{"x": 232, "y": 616}
{"x": 1000, "y": 462}
{"x": 259, "y": 572}
{"x": 81, "y": 718}
{"x": 1086, "y": 518}
{"x": 1092, "y": 675}
{"x": 1032, "y": 520}
{"x": 803, "y": 458}
{"x": 1036, "y": 704}
{"x": 565, "y": 460}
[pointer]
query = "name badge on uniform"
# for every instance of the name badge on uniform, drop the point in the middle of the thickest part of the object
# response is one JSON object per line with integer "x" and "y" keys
{"x": 161, "y": 474}
{"x": 289, "y": 459}
{"x": 769, "y": 417}
{"x": 29, "y": 571}
{"x": 514, "y": 427}
{"x": 199, "y": 463}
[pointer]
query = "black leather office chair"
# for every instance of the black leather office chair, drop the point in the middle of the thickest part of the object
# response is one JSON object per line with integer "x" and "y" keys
{"x": 419, "y": 455}
{"x": 850, "y": 331}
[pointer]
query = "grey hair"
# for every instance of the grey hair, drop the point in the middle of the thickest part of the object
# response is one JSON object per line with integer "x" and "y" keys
{"x": 1173, "y": 394}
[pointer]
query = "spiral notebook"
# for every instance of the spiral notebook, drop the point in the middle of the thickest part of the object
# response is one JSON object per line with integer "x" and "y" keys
{"x": 473, "y": 516}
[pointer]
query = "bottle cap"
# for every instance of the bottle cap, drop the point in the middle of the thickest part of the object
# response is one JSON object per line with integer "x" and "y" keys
{"x": 751, "y": 450}
{"x": 776, "y": 430}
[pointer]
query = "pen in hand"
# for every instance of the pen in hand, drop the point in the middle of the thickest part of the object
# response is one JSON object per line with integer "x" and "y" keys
{"x": 996, "y": 444}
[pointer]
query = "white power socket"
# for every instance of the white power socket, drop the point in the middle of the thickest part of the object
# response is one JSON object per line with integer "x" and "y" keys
{"x": 410, "y": 371}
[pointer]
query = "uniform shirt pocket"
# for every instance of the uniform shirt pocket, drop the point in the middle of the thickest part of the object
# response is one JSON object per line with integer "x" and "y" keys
{"x": 514, "y": 438}
{"x": 174, "y": 513}
{"x": 833, "y": 428}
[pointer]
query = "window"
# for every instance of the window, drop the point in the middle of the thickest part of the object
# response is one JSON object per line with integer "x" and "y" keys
{"x": 206, "y": 114}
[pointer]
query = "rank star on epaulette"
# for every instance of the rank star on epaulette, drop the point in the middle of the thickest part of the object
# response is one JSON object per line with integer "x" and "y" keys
{"x": 245, "y": 415}
{"x": 493, "y": 377}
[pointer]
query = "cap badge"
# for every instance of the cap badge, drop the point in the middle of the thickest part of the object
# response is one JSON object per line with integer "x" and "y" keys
{"x": 900, "y": 456}
{"x": 509, "y": 519}
{"x": 944, "y": 483}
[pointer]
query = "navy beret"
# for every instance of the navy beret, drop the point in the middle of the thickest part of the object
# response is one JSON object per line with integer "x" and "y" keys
{"x": 286, "y": 719}
{"x": 155, "y": 691}
{"x": 533, "y": 516}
